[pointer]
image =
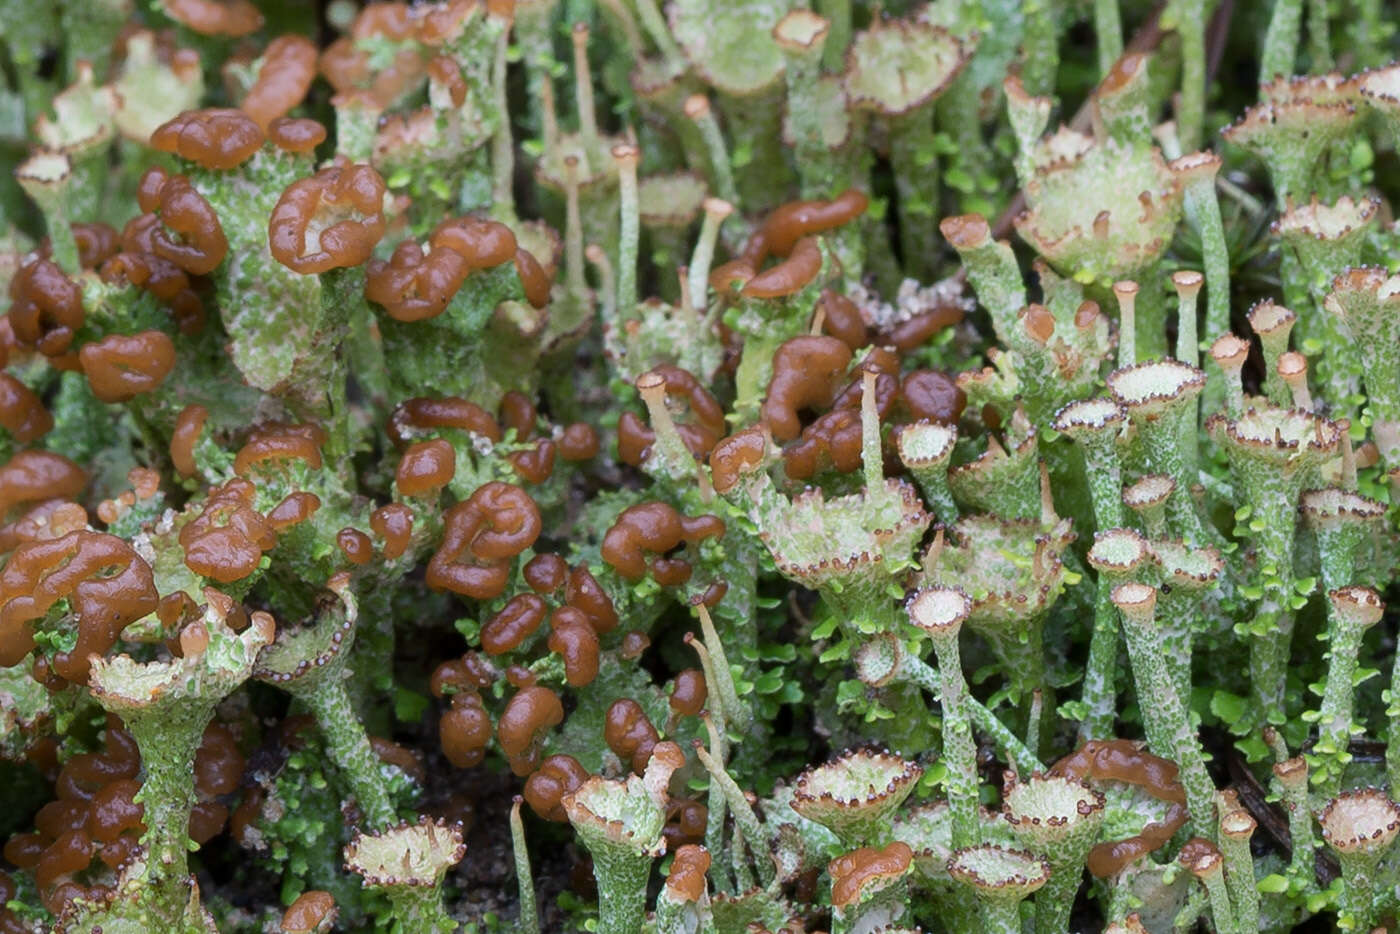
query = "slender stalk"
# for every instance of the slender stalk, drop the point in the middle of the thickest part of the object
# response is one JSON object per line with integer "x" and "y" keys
{"x": 1203, "y": 213}
{"x": 1006, "y": 742}
{"x": 502, "y": 146}
{"x": 1108, "y": 33}
{"x": 838, "y": 14}
{"x": 349, "y": 748}
{"x": 916, "y": 178}
{"x": 744, "y": 817}
{"x": 1191, "y": 28}
{"x": 697, "y": 108}
{"x": 1292, "y": 776}
{"x": 1169, "y": 729}
{"x": 1319, "y": 42}
{"x": 1236, "y": 827}
{"x": 626, "y": 156}
{"x": 1041, "y": 47}
{"x": 528, "y": 917}
{"x": 1281, "y": 41}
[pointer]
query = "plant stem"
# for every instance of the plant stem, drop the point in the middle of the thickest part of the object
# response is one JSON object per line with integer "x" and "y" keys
{"x": 1281, "y": 41}
{"x": 349, "y": 749}
{"x": 1108, "y": 32}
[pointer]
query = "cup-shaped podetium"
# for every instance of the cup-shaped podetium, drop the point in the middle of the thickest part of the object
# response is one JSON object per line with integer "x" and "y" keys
{"x": 868, "y": 891}
{"x": 1001, "y": 879}
{"x": 407, "y": 863}
{"x": 1360, "y": 826}
{"x": 856, "y": 794}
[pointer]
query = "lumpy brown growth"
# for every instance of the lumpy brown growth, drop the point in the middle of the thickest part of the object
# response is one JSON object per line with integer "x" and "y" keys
{"x": 576, "y": 642}
{"x": 527, "y": 715}
{"x": 686, "y": 820}
{"x": 629, "y": 733}
{"x": 579, "y": 442}
{"x": 931, "y": 395}
{"x": 308, "y": 911}
{"x": 97, "y": 242}
{"x": 47, "y": 520}
{"x": 22, "y": 413}
{"x": 328, "y": 221}
{"x": 355, "y": 545}
{"x": 535, "y": 464}
{"x": 545, "y": 573}
{"x": 517, "y": 621}
{"x": 233, "y": 18}
{"x": 654, "y": 529}
{"x": 480, "y": 538}
{"x": 425, "y": 468}
{"x": 1123, "y": 760}
{"x": 841, "y": 319}
{"x": 469, "y": 673}
{"x": 138, "y": 265}
{"x": 295, "y": 508}
{"x": 546, "y": 787}
{"x": 790, "y": 276}
{"x": 188, "y": 426}
{"x": 288, "y": 68}
{"x": 93, "y": 815}
{"x": 965, "y": 231}
{"x": 465, "y": 730}
{"x": 347, "y": 66}
{"x": 700, "y": 421}
{"x": 686, "y": 880}
{"x": 226, "y": 541}
{"x": 414, "y": 285}
{"x": 735, "y": 456}
{"x": 394, "y": 526}
{"x": 688, "y": 693}
{"x": 585, "y": 594}
{"x": 913, "y": 333}
{"x": 517, "y": 412}
{"x": 786, "y": 226}
{"x": 107, "y": 585}
{"x": 215, "y": 138}
{"x": 46, "y": 308}
{"x": 121, "y": 367}
{"x": 535, "y": 280}
{"x": 807, "y": 373}
{"x": 445, "y": 412}
{"x": 278, "y": 443}
{"x": 199, "y": 244}
{"x": 31, "y": 476}
{"x": 851, "y": 872}
{"x": 297, "y": 135}
{"x": 833, "y": 441}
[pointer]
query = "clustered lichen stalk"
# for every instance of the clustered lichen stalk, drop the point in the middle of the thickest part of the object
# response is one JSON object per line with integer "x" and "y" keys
{"x": 431, "y": 364}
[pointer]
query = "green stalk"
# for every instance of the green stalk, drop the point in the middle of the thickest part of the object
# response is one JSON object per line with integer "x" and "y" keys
{"x": 1108, "y": 33}
{"x": 1169, "y": 729}
{"x": 697, "y": 108}
{"x": 1041, "y": 47}
{"x": 1292, "y": 777}
{"x": 528, "y": 917}
{"x": 1281, "y": 41}
{"x": 1351, "y": 611}
{"x": 1004, "y": 740}
{"x": 626, "y": 157}
{"x": 1236, "y": 827}
{"x": 838, "y": 38}
{"x": 916, "y": 180}
{"x": 1191, "y": 28}
{"x": 1319, "y": 42}
{"x": 349, "y": 748}
{"x": 744, "y": 817}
